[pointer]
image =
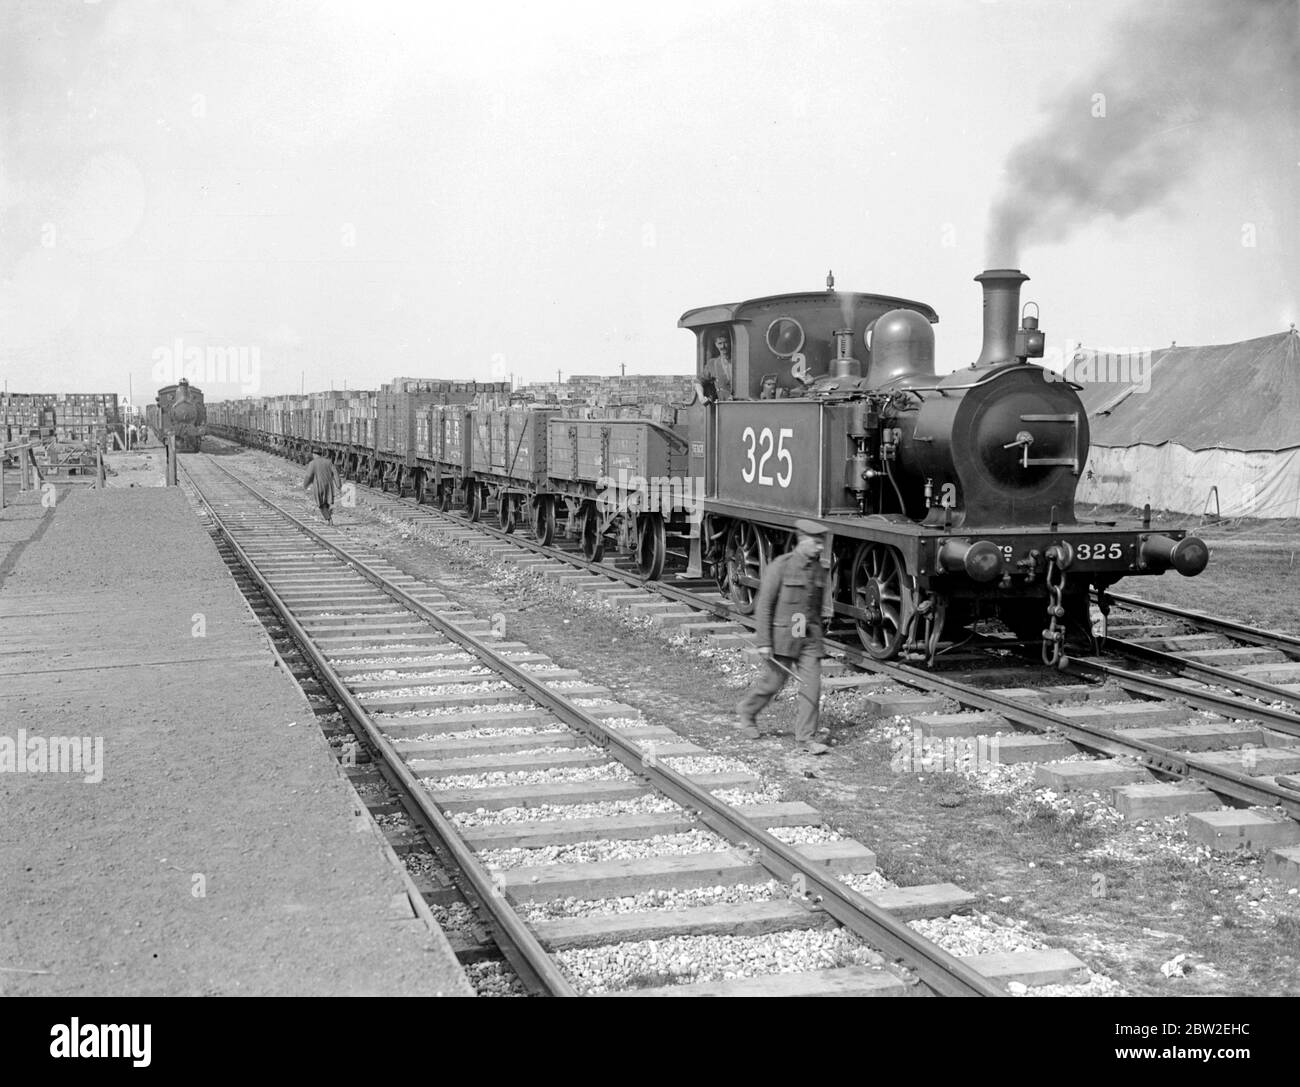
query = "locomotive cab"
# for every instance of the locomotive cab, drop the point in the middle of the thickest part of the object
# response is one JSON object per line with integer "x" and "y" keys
{"x": 795, "y": 338}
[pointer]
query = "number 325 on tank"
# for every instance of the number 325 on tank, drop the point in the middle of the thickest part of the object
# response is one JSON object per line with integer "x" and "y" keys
{"x": 759, "y": 450}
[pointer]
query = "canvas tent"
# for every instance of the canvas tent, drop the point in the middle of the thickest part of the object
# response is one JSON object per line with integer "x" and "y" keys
{"x": 1173, "y": 426}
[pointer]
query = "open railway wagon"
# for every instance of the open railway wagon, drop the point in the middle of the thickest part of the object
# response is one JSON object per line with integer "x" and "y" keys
{"x": 405, "y": 428}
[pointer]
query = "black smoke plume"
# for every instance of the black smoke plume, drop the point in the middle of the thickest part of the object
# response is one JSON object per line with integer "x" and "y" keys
{"x": 1182, "y": 81}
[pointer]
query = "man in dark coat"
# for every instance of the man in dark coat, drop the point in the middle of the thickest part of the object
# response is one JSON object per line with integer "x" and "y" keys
{"x": 322, "y": 477}
{"x": 788, "y": 610}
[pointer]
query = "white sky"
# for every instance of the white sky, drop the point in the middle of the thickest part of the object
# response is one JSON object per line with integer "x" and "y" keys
{"x": 363, "y": 189}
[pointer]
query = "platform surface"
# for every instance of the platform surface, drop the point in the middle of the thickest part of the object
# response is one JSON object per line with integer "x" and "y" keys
{"x": 220, "y": 853}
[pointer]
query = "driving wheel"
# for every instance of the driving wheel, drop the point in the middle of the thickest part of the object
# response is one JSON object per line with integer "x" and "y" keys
{"x": 746, "y": 557}
{"x": 880, "y": 589}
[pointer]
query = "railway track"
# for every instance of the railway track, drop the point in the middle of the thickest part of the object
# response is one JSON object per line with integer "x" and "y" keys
{"x": 1179, "y": 727}
{"x": 498, "y": 757}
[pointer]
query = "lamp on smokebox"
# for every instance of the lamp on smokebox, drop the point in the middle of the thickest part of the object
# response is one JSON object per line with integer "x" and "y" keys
{"x": 1029, "y": 340}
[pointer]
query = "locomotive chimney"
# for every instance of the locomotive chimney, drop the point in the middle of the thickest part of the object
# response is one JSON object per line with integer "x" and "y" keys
{"x": 1001, "y": 314}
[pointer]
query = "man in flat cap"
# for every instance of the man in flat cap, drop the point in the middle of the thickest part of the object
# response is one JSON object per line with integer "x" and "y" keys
{"x": 788, "y": 610}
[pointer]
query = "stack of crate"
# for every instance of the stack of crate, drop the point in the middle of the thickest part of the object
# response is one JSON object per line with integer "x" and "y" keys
{"x": 365, "y": 411}
{"x": 283, "y": 413}
{"x": 323, "y": 408}
{"x": 66, "y": 417}
{"x": 83, "y": 416}
{"x": 398, "y": 403}
{"x": 21, "y": 417}
{"x": 350, "y": 415}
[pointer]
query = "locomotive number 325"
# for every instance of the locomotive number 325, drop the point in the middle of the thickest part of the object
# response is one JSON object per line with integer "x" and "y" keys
{"x": 763, "y": 446}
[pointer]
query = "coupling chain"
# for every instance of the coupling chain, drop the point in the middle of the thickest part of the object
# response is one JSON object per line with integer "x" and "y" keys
{"x": 1054, "y": 635}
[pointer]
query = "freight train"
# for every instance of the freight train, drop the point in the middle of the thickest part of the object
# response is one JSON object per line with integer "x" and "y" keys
{"x": 178, "y": 410}
{"x": 946, "y": 499}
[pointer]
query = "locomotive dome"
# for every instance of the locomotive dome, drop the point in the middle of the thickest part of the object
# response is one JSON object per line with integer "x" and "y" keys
{"x": 902, "y": 345}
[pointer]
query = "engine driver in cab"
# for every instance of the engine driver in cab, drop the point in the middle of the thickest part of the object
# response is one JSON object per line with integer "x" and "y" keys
{"x": 720, "y": 369}
{"x": 788, "y": 611}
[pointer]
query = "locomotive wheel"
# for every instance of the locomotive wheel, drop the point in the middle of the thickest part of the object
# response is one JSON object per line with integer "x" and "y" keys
{"x": 506, "y": 513}
{"x": 747, "y": 555}
{"x": 544, "y": 520}
{"x": 474, "y": 502}
{"x": 713, "y": 539}
{"x": 880, "y": 588}
{"x": 652, "y": 545}
{"x": 593, "y": 542}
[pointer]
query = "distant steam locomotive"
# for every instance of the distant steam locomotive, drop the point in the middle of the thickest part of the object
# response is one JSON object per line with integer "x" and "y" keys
{"x": 179, "y": 410}
{"x": 944, "y": 499}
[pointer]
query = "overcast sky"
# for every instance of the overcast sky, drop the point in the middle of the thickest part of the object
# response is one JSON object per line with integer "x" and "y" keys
{"x": 369, "y": 188}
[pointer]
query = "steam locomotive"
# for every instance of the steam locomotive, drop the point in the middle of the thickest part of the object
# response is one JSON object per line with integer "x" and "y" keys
{"x": 945, "y": 499}
{"x": 179, "y": 410}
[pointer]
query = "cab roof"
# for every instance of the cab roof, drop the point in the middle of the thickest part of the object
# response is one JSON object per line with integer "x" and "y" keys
{"x": 736, "y": 311}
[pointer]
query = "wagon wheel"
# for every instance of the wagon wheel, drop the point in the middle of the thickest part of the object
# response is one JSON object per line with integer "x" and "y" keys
{"x": 474, "y": 502}
{"x": 544, "y": 520}
{"x": 652, "y": 545}
{"x": 444, "y": 498}
{"x": 880, "y": 588}
{"x": 593, "y": 541}
{"x": 747, "y": 555}
{"x": 506, "y": 513}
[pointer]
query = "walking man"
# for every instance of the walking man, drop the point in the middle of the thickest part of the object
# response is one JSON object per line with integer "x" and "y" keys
{"x": 322, "y": 477}
{"x": 789, "y": 615}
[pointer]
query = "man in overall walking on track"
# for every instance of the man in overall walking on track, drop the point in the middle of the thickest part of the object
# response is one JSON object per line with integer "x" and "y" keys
{"x": 322, "y": 477}
{"x": 788, "y": 611}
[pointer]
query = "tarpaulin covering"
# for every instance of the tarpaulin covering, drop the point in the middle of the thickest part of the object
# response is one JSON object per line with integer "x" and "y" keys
{"x": 1186, "y": 426}
{"x": 1231, "y": 396}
